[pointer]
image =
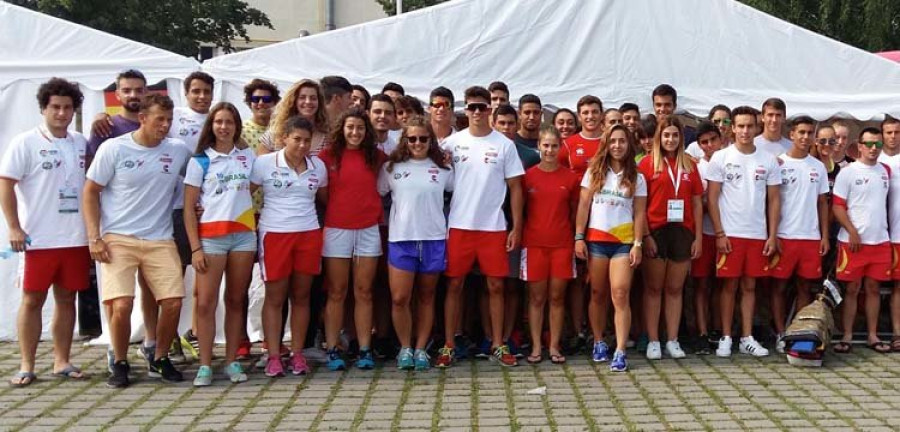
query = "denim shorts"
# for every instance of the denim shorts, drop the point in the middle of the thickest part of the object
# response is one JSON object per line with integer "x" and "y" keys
{"x": 424, "y": 256}
{"x": 608, "y": 249}
{"x": 234, "y": 242}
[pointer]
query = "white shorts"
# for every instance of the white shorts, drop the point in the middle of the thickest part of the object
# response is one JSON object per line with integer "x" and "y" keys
{"x": 349, "y": 243}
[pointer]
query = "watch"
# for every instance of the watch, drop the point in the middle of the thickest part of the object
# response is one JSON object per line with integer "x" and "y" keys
{"x": 639, "y": 243}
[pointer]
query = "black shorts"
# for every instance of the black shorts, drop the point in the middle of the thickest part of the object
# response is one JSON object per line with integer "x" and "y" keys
{"x": 673, "y": 242}
{"x": 181, "y": 239}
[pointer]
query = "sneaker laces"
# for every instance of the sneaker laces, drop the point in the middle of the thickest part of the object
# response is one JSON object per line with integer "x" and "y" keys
{"x": 446, "y": 351}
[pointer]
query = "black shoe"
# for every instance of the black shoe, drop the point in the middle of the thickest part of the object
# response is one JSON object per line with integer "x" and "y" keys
{"x": 119, "y": 376}
{"x": 713, "y": 339}
{"x": 702, "y": 347}
{"x": 163, "y": 368}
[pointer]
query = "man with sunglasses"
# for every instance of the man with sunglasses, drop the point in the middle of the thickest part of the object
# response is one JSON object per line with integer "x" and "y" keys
{"x": 864, "y": 249}
{"x": 261, "y": 96}
{"x": 890, "y": 156}
{"x": 486, "y": 164}
{"x": 773, "y": 116}
{"x": 440, "y": 104}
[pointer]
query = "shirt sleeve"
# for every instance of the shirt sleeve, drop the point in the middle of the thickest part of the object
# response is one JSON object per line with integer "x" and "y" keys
{"x": 451, "y": 180}
{"x": 715, "y": 171}
{"x": 586, "y": 180}
{"x": 563, "y": 155}
{"x": 194, "y": 174}
{"x": 842, "y": 185}
{"x": 104, "y": 166}
{"x": 256, "y": 175}
{"x": 774, "y": 177}
{"x": 696, "y": 181}
{"x": 323, "y": 173}
{"x": 384, "y": 181}
{"x": 640, "y": 189}
{"x": 512, "y": 165}
{"x": 16, "y": 161}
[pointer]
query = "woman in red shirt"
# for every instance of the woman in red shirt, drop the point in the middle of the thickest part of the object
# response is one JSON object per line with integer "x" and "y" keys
{"x": 674, "y": 215}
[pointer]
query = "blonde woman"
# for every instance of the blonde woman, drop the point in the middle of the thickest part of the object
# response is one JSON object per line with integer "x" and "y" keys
{"x": 304, "y": 99}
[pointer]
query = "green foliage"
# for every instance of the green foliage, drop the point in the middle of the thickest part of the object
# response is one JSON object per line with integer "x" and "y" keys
{"x": 872, "y": 25}
{"x": 390, "y": 6}
{"x": 175, "y": 25}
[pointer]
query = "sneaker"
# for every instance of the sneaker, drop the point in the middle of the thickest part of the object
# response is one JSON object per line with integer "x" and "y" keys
{"x": 283, "y": 350}
{"x": 600, "y": 353}
{"x": 514, "y": 348}
{"x": 110, "y": 361}
{"x": 176, "y": 353}
{"x": 618, "y": 363}
{"x": 654, "y": 351}
{"x": 365, "y": 361}
{"x": 405, "y": 360}
{"x": 702, "y": 347}
{"x": 576, "y": 344}
{"x": 204, "y": 377}
{"x": 189, "y": 344}
{"x": 335, "y": 362}
{"x": 243, "y": 350}
{"x": 119, "y": 375}
{"x": 445, "y": 357}
{"x": 780, "y": 344}
{"x": 504, "y": 357}
{"x": 750, "y": 346}
{"x": 484, "y": 349}
{"x": 274, "y": 367}
{"x": 713, "y": 339}
{"x": 673, "y": 349}
{"x": 642, "y": 342}
{"x": 164, "y": 369}
{"x": 315, "y": 355}
{"x": 462, "y": 344}
{"x": 724, "y": 348}
{"x": 235, "y": 372}
{"x": 298, "y": 364}
{"x": 262, "y": 361}
{"x": 147, "y": 353}
{"x": 422, "y": 361}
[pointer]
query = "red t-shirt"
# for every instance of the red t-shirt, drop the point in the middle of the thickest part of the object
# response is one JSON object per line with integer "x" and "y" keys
{"x": 660, "y": 190}
{"x": 576, "y": 152}
{"x": 353, "y": 200}
{"x": 548, "y": 200}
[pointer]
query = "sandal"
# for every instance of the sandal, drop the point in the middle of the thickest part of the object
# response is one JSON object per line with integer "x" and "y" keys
{"x": 534, "y": 359}
{"x": 22, "y": 379}
{"x": 557, "y": 358}
{"x": 880, "y": 347}
{"x": 71, "y": 372}
{"x": 842, "y": 348}
{"x": 895, "y": 344}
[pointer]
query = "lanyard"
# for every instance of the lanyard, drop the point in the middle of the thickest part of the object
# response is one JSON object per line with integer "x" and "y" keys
{"x": 676, "y": 181}
{"x": 66, "y": 153}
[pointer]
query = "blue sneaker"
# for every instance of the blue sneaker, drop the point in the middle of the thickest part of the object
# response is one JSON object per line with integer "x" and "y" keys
{"x": 405, "y": 359}
{"x": 618, "y": 363}
{"x": 365, "y": 360}
{"x": 422, "y": 361}
{"x": 514, "y": 348}
{"x": 601, "y": 352}
{"x": 335, "y": 362}
{"x": 484, "y": 349}
{"x": 461, "y": 342}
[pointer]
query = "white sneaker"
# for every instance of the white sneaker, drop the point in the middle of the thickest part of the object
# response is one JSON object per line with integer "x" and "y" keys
{"x": 724, "y": 349}
{"x": 780, "y": 345}
{"x": 673, "y": 349}
{"x": 654, "y": 352}
{"x": 751, "y": 346}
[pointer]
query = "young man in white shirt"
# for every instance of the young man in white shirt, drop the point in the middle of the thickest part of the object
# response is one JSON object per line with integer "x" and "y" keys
{"x": 129, "y": 228}
{"x": 890, "y": 156}
{"x": 803, "y": 225}
{"x": 744, "y": 206}
{"x": 864, "y": 249}
{"x": 774, "y": 112}
{"x": 41, "y": 176}
{"x": 486, "y": 164}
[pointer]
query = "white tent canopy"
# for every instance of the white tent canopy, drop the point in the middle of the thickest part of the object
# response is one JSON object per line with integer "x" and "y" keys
{"x": 711, "y": 51}
{"x": 35, "y": 47}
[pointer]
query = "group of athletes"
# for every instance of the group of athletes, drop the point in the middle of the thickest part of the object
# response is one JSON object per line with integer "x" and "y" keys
{"x": 330, "y": 188}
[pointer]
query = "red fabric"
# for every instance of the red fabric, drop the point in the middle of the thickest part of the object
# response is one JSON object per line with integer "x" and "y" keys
{"x": 549, "y": 198}
{"x": 660, "y": 190}
{"x": 797, "y": 256}
{"x": 353, "y": 200}
{"x": 464, "y": 247}
{"x": 67, "y": 267}
{"x": 284, "y": 253}
{"x": 895, "y": 261}
{"x": 541, "y": 263}
{"x": 704, "y": 265}
{"x": 746, "y": 259}
{"x": 871, "y": 261}
{"x": 576, "y": 153}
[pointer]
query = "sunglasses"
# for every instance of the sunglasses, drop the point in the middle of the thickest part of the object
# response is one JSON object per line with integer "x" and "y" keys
{"x": 477, "y": 107}
{"x": 258, "y": 99}
{"x": 437, "y": 105}
{"x": 412, "y": 139}
{"x": 722, "y": 122}
{"x": 870, "y": 144}
{"x": 826, "y": 141}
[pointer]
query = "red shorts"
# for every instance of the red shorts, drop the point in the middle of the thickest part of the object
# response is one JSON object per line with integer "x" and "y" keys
{"x": 746, "y": 259}
{"x": 797, "y": 256}
{"x": 705, "y": 265}
{"x": 871, "y": 261}
{"x": 464, "y": 247}
{"x": 895, "y": 261}
{"x": 68, "y": 268}
{"x": 540, "y": 264}
{"x": 281, "y": 254}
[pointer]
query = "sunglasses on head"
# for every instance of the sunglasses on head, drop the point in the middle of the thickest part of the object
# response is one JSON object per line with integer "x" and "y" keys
{"x": 826, "y": 141}
{"x": 870, "y": 144}
{"x": 477, "y": 107}
{"x": 412, "y": 139}
{"x": 722, "y": 122}
{"x": 437, "y": 105}
{"x": 258, "y": 99}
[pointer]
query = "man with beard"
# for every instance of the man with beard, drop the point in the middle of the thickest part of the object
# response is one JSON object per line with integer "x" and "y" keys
{"x": 130, "y": 88}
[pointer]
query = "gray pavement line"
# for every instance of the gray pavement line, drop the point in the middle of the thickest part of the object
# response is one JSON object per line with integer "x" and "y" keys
{"x": 171, "y": 407}
{"x": 857, "y": 366}
{"x": 664, "y": 377}
{"x": 404, "y": 396}
{"x": 709, "y": 392}
{"x": 812, "y": 396}
{"x": 473, "y": 395}
{"x": 545, "y": 400}
{"x": 125, "y": 412}
{"x": 251, "y": 404}
{"x": 198, "y": 418}
{"x": 314, "y": 426}
{"x": 649, "y": 400}
{"x": 744, "y": 394}
{"x": 282, "y": 413}
{"x": 579, "y": 398}
{"x": 99, "y": 402}
{"x": 613, "y": 398}
{"x": 367, "y": 398}
{"x": 40, "y": 372}
{"x": 510, "y": 400}
{"x": 439, "y": 402}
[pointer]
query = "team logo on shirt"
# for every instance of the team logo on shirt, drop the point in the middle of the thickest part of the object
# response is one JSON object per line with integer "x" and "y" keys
{"x": 760, "y": 173}
{"x": 733, "y": 172}
{"x": 128, "y": 164}
{"x": 400, "y": 176}
{"x": 312, "y": 182}
{"x": 884, "y": 179}
{"x": 813, "y": 177}
{"x": 277, "y": 184}
{"x": 47, "y": 165}
{"x": 50, "y": 152}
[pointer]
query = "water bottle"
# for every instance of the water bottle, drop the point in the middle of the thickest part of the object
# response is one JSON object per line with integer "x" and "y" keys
{"x": 8, "y": 252}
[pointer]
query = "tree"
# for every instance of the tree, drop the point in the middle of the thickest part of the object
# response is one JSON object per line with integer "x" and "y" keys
{"x": 390, "y": 6}
{"x": 175, "y": 25}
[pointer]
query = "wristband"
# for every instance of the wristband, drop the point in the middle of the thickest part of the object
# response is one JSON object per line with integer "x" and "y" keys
{"x": 638, "y": 243}
{"x": 579, "y": 236}
{"x": 720, "y": 235}
{"x": 197, "y": 250}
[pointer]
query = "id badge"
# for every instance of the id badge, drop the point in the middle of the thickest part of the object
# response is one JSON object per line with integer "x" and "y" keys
{"x": 68, "y": 200}
{"x": 675, "y": 211}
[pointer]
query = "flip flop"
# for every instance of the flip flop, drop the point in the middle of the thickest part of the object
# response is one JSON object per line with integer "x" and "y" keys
{"x": 71, "y": 372}
{"x": 557, "y": 359}
{"x": 895, "y": 344}
{"x": 842, "y": 348}
{"x": 22, "y": 379}
{"x": 880, "y": 347}
{"x": 534, "y": 359}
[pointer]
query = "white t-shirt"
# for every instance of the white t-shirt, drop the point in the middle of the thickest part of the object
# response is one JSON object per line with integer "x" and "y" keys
{"x": 50, "y": 176}
{"x": 289, "y": 198}
{"x": 388, "y": 145}
{"x": 394, "y": 135}
{"x": 186, "y": 127}
{"x": 775, "y": 147}
{"x": 482, "y": 165}
{"x": 612, "y": 213}
{"x": 417, "y": 189}
{"x": 893, "y": 163}
{"x": 703, "y": 170}
{"x": 224, "y": 191}
{"x": 744, "y": 178}
{"x": 693, "y": 150}
{"x": 864, "y": 190}
{"x": 139, "y": 186}
{"x": 802, "y": 182}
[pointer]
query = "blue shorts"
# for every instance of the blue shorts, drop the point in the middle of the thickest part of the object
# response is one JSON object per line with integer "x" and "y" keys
{"x": 424, "y": 256}
{"x": 234, "y": 242}
{"x": 608, "y": 249}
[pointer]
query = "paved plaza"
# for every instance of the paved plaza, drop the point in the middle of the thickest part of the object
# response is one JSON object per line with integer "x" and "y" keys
{"x": 860, "y": 391}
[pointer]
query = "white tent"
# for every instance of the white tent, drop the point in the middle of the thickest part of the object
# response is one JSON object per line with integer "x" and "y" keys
{"x": 711, "y": 51}
{"x": 35, "y": 47}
